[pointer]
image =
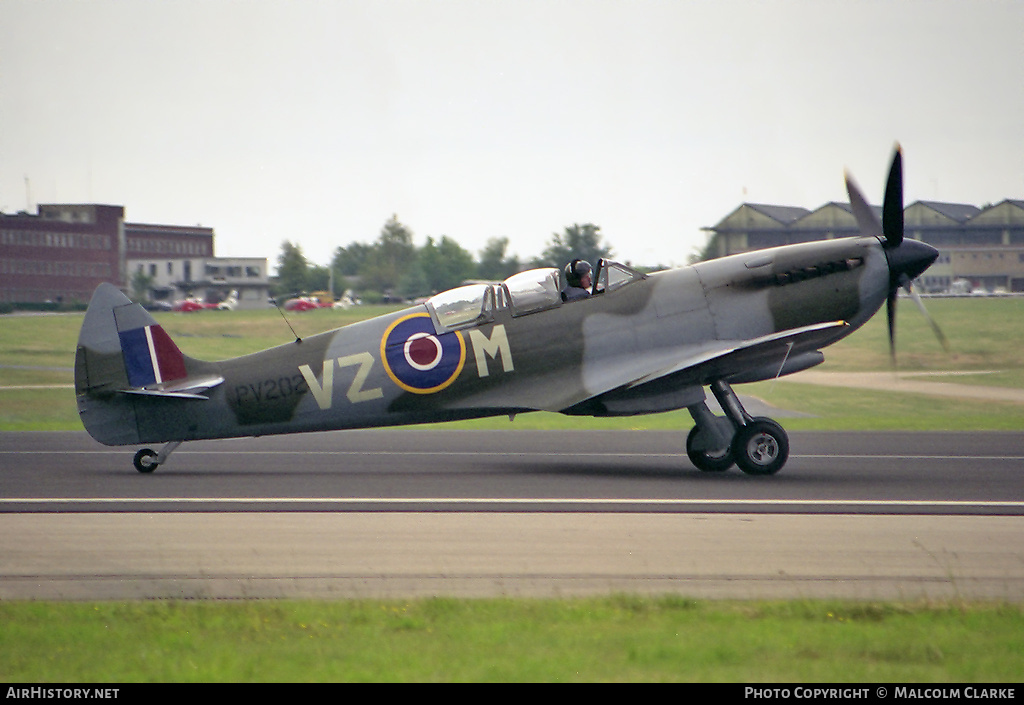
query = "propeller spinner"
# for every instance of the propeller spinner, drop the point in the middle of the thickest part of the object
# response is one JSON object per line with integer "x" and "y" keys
{"x": 907, "y": 259}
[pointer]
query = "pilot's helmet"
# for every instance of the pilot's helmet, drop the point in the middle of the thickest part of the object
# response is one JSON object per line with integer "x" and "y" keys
{"x": 575, "y": 271}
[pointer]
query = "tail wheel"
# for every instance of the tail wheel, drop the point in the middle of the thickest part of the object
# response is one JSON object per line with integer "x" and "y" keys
{"x": 761, "y": 447}
{"x": 145, "y": 460}
{"x": 707, "y": 461}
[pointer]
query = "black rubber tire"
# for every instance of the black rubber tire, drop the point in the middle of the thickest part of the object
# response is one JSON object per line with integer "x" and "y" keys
{"x": 704, "y": 461}
{"x": 761, "y": 447}
{"x": 145, "y": 460}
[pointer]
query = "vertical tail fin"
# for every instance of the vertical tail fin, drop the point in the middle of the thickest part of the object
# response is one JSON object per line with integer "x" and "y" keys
{"x": 123, "y": 353}
{"x": 150, "y": 356}
{"x": 100, "y": 372}
{"x": 122, "y": 347}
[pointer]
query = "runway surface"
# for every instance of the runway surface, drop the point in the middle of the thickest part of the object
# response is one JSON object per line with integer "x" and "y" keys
{"x": 414, "y": 512}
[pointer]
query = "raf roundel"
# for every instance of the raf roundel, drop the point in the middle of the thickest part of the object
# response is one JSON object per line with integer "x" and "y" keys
{"x": 417, "y": 359}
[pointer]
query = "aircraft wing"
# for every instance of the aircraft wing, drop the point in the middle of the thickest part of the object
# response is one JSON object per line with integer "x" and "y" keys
{"x": 694, "y": 366}
{"x": 736, "y": 357}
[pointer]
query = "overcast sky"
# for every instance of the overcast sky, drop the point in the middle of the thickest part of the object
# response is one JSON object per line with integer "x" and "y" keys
{"x": 315, "y": 121}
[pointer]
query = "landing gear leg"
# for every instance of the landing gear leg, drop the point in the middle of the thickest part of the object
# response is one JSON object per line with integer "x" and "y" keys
{"x": 708, "y": 443}
{"x": 146, "y": 460}
{"x": 760, "y": 445}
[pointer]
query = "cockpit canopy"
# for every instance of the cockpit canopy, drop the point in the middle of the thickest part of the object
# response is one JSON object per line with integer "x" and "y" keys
{"x": 524, "y": 293}
{"x": 464, "y": 306}
{"x": 534, "y": 290}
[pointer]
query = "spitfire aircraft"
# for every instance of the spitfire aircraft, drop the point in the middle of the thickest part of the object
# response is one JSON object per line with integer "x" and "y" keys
{"x": 638, "y": 344}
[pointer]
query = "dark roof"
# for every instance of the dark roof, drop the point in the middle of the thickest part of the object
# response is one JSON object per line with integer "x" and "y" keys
{"x": 847, "y": 207}
{"x": 960, "y": 212}
{"x": 788, "y": 215}
{"x": 783, "y": 214}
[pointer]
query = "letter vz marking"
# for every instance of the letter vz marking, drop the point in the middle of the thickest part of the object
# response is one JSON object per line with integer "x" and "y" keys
{"x": 323, "y": 392}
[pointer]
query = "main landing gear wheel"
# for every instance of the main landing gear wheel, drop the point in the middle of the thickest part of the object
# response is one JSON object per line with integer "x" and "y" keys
{"x": 145, "y": 460}
{"x": 707, "y": 461}
{"x": 760, "y": 447}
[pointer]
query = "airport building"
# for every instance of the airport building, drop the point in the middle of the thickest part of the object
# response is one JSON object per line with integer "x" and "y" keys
{"x": 980, "y": 248}
{"x": 62, "y": 253}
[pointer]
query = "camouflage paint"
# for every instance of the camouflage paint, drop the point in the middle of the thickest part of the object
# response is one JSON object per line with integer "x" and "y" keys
{"x": 647, "y": 345}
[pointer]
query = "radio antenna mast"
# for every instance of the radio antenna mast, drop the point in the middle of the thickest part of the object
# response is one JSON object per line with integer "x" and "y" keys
{"x": 281, "y": 311}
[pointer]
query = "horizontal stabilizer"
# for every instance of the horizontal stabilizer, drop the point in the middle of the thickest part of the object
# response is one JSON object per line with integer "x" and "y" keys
{"x": 182, "y": 389}
{"x": 155, "y": 365}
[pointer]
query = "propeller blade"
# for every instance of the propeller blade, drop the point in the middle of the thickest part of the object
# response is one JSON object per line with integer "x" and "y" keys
{"x": 905, "y": 282}
{"x": 892, "y": 206}
{"x": 905, "y": 259}
{"x": 890, "y": 311}
{"x": 867, "y": 218}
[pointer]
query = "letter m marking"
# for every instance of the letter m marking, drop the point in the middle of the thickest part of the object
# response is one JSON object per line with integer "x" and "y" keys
{"x": 496, "y": 346}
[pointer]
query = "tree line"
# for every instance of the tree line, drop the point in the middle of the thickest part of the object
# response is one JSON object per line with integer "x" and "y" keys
{"x": 393, "y": 267}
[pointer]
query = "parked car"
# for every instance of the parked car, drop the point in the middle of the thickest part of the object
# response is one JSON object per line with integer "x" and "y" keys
{"x": 304, "y": 303}
{"x": 192, "y": 304}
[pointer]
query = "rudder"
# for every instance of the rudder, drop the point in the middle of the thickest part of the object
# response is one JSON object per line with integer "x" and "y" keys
{"x": 121, "y": 350}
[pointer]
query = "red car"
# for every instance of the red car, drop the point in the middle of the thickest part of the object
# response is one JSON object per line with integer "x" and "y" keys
{"x": 303, "y": 303}
{"x": 189, "y": 305}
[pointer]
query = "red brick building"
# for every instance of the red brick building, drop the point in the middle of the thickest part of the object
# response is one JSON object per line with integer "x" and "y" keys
{"x": 66, "y": 250}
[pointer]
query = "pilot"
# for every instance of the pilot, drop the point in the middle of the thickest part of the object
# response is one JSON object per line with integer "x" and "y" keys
{"x": 578, "y": 280}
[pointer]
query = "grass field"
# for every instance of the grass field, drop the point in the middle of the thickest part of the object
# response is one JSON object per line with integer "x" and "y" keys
{"x": 614, "y": 638}
{"x": 986, "y": 336}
